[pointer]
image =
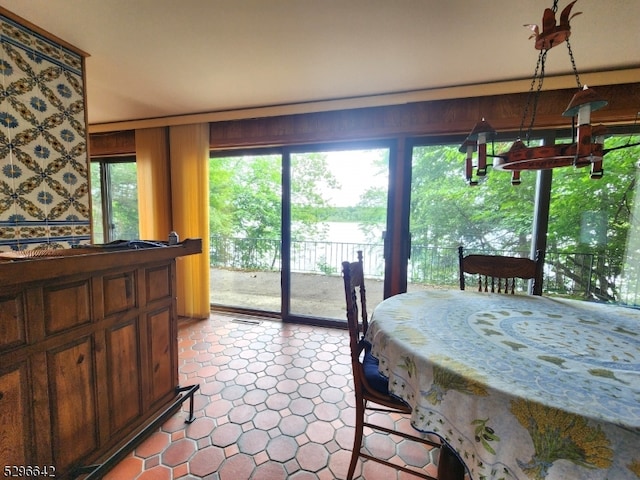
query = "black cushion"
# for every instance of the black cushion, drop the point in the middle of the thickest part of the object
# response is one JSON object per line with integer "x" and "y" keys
{"x": 376, "y": 380}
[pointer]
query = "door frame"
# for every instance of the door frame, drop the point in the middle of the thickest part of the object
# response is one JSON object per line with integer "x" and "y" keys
{"x": 391, "y": 146}
{"x": 391, "y": 241}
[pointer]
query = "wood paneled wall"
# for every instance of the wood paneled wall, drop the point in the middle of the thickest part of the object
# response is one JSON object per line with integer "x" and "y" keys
{"x": 438, "y": 117}
{"x": 113, "y": 143}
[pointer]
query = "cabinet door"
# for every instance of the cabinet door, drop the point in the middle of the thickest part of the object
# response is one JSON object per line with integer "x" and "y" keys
{"x": 15, "y": 424}
{"x": 158, "y": 283}
{"x": 67, "y": 306}
{"x": 73, "y": 401}
{"x": 12, "y": 321}
{"x": 162, "y": 352}
{"x": 123, "y": 374}
{"x": 119, "y": 292}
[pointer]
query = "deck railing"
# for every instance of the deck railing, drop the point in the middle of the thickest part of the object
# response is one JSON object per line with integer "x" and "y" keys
{"x": 566, "y": 273}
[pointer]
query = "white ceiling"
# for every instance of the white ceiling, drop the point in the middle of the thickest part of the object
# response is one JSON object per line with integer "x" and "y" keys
{"x": 159, "y": 58}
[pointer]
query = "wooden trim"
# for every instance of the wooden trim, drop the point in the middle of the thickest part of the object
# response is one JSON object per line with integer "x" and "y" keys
{"x": 44, "y": 33}
{"x": 66, "y": 262}
{"x": 438, "y": 117}
{"x": 441, "y": 117}
{"x": 112, "y": 143}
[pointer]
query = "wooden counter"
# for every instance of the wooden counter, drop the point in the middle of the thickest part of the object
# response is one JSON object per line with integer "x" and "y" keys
{"x": 88, "y": 352}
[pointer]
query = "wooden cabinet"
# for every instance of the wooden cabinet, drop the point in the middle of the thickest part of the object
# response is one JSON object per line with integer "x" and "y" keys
{"x": 88, "y": 352}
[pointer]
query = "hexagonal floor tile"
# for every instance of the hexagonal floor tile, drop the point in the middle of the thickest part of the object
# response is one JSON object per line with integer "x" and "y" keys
{"x": 275, "y": 402}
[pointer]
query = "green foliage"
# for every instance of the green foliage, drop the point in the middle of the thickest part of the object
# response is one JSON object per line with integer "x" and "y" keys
{"x": 446, "y": 212}
{"x": 325, "y": 267}
{"x": 372, "y": 205}
{"x": 245, "y": 202}
{"x": 256, "y": 197}
{"x": 595, "y": 215}
{"x": 220, "y": 193}
{"x": 310, "y": 181}
{"x": 360, "y": 214}
{"x": 96, "y": 203}
{"x": 123, "y": 198}
{"x": 587, "y": 216}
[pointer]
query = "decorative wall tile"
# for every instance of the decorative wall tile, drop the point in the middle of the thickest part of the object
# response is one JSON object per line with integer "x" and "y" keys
{"x": 44, "y": 189}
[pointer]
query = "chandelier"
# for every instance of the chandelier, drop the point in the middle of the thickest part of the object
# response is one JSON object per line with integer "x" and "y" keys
{"x": 587, "y": 148}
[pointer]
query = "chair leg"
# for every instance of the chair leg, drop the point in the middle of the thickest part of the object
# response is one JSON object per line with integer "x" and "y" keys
{"x": 357, "y": 440}
{"x": 449, "y": 465}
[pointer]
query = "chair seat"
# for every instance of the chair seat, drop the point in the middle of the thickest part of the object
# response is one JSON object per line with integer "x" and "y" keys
{"x": 375, "y": 379}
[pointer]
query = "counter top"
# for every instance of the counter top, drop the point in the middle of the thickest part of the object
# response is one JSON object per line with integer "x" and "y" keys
{"x": 57, "y": 263}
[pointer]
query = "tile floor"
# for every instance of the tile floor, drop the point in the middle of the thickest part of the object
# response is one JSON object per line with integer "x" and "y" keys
{"x": 275, "y": 402}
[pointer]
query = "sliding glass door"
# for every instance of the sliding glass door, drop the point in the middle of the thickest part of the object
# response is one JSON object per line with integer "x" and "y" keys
{"x": 338, "y": 207}
{"x": 245, "y": 227}
{"x": 283, "y": 221}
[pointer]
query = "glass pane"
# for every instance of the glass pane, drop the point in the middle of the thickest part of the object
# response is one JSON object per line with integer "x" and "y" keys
{"x": 338, "y": 206}
{"x": 593, "y": 251}
{"x": 96, "y": 203}
{"x": 445, "y": 212}
{"x": 124, "y": 201}
{"x": 245, "y": 224}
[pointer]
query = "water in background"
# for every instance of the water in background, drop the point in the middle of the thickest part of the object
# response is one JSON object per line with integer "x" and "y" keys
{"x": 350, "y": 232}
{"x": 341, "y": 242}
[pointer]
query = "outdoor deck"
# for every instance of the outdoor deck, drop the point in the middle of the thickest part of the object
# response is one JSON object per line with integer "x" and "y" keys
{"x": 311, "y": 294}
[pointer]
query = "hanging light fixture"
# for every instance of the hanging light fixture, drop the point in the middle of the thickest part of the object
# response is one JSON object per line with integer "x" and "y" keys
{"x": 588, "y": 148}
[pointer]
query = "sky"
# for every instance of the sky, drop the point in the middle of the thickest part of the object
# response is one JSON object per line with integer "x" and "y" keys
{"x": 357, "y": 169}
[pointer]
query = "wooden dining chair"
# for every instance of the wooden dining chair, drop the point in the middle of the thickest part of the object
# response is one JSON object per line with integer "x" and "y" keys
{"x": 371, "y": 387}
{"x": 498, "y": 273}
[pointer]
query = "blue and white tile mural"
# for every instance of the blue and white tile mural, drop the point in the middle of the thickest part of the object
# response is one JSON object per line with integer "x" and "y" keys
{"x": 44, "y": 187}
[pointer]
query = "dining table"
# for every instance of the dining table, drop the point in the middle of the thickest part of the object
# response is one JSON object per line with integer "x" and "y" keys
{"x": 518, "y": 386}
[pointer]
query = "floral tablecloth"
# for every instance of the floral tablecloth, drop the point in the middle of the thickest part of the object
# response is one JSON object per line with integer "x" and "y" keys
{"x": 521, "y": 387}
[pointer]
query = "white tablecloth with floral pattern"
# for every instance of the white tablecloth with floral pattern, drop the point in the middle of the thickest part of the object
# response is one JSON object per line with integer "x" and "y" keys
{"x": 521, "y": 387}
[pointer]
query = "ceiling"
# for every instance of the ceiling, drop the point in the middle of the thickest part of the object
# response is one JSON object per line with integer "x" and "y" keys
{"x": 162, "y": 58}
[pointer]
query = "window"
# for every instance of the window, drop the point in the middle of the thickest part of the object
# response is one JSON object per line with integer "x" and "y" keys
{"x": 492, "y": 217}
{"x": 591, "y": 244}
{"x": 114, "y": 196}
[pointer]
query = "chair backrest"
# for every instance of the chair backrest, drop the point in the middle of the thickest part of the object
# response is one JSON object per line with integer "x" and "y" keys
{"x": 498, "y": 273}
{"x": 355, "y": 292}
